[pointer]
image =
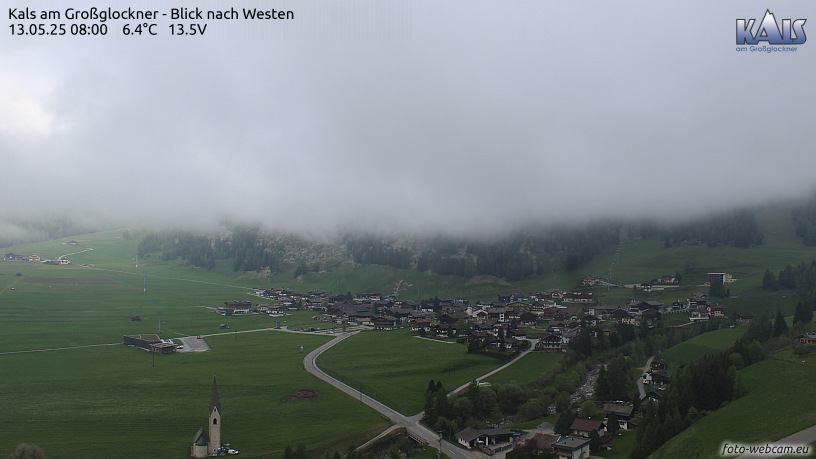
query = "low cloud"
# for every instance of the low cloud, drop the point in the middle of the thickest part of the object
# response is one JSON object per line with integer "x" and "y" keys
{"x": 460, "y": 117}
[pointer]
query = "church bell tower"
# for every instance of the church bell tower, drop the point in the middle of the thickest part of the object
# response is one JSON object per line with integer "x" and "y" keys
{"x": 215, "y": 421}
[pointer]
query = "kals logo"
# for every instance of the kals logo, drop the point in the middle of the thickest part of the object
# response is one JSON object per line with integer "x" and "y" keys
{"x": 791, "y": 32}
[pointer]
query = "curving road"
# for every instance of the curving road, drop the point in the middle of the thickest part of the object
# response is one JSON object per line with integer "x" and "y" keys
{"x": 411, "y": 424}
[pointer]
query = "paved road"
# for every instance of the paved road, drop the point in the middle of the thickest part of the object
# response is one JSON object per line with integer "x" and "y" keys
{"x": 411, "y": 424}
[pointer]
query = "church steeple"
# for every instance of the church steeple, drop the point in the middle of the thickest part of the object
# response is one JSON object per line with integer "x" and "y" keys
{"x": 215, "y": 402}
{"x": 215, "y": 421}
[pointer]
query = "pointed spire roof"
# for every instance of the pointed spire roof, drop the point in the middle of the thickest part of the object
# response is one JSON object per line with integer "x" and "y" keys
{"x": 215, "y": 402}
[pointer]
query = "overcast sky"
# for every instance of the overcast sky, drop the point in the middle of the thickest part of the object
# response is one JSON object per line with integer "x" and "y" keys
{"x": 408, "y": 115}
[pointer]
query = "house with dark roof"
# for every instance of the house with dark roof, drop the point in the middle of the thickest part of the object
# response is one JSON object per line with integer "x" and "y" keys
{"x": 624, "y": 413}
{"x": 572, "y": 447}
{"x": 549, "y": 342}
{"x": 584, "y": 427}
{"x": 470, "y": 437}
{"x": 743, "y": 317}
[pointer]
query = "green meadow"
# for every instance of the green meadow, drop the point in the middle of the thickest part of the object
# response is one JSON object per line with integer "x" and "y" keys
{"x": 529, "y": 368}
{"x": 110, "y": 401}
{"x": 701, "y": 345}
{"x": 780, "y": 403}
{"x": 395, "y": 367}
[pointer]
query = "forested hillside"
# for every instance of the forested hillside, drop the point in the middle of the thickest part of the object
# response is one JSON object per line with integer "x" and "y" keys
{"x": 533, "y": 251}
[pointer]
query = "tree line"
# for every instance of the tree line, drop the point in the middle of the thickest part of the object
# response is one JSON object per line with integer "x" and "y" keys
{"x": 738, "y": 229}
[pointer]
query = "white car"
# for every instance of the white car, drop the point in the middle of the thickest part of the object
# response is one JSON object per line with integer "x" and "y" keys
{"x": 232, "y": 452}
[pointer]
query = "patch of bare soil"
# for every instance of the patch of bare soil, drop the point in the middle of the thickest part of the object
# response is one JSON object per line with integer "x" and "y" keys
{"x": 302, "y": 394}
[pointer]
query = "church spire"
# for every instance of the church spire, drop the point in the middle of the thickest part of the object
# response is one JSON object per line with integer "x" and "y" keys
{"x": 215, "y": 402}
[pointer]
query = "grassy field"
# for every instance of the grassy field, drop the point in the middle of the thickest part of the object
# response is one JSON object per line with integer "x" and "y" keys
{"x": 395, "y": 367}
{"x": 529, "y": 368}
{"x": 110, "y": 402}
{"x": 695, "y": 348}
{"x": 780, "y": 403}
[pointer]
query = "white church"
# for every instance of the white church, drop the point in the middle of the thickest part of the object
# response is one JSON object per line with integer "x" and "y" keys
{"x": 209, "y": 443}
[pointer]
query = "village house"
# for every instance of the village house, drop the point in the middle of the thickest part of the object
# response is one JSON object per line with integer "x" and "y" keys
{"x": 572, "y": 447}
{"x": 743, "y": 317}
{"x": 624, "y": 413}
{"x": 656, "y": 378}
{"x": 591, "y": 280}
{"x": 584, "y": 427}
{"x": 806, "y": 339}
{"x": 483, "y": 438}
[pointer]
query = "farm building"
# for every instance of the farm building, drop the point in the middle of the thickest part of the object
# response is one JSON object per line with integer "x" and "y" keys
{"x": 150, "y": 343}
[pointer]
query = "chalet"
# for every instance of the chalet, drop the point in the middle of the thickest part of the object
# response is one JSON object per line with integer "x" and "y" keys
{"x": 716, "y": 310}
{"x": 589, "y": 320}
{"x": 549, "y": 313}
{"x": 650, "y": 315}
{"x": 447, "y": 302}
{"x": 421, "y": 324}
{"x": 591, "y": 280}
{"x": 541, "y": 305}
{"x": 382, "y": 305}
{"x": 452, "y": 318}
{"x": 572, "y": 447}
{"x": 659, "y": 365}
{"x": 470, "y": 438}
{"x": 584, "y": 427}
{"x": 640, "y": 307}
{"x": 235, "y": 307}
{"x": 656, "y": 378}
{"x": 403, "y": 314}
{"x": 578, "y": 297}
{"x": 619, "y": 315}
{"x": 698, "y": 300}
{"x": 655, "y": 395}
{"x": 510, "y": 344}
{"x": 624, "y": 413}
{"x": 445, "y": 330}
{"x": 549, "y": 342}
{"x": 743, "y": 317}
{"x": 806, "y": 339}
{"x": 385, "y": 323}
{"x": 699, "y": 315}
{"x": 315, "y": 304}
{"x": 668, "y": 280}
{"x": 497, "y": 314}
{"x": 361, "y": 317}
{"x": 527, "y": 319}
{"x": 554, "y": 294}
{"x": 603, "y": 312}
